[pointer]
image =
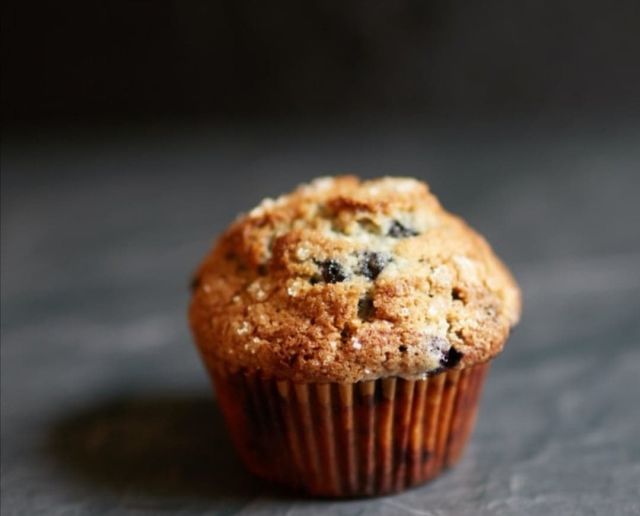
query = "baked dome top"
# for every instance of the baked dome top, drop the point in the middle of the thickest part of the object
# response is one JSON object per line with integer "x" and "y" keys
{"x": 346, "y": 280}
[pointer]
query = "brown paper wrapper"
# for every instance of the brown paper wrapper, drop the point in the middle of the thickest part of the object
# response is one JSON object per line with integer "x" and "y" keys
{"x": 352, "y": 439}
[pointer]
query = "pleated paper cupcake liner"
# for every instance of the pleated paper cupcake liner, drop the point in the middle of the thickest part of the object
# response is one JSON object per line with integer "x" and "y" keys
{"x": 350, "y": 439}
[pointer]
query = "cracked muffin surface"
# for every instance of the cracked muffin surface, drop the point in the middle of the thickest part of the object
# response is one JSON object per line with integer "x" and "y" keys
{"x": 345, "y": 280}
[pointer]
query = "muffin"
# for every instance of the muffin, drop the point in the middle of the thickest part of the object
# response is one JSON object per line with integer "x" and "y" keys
{"x": 348, "y": 327}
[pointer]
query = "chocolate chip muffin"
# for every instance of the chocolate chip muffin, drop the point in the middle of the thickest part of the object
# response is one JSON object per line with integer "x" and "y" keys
{"x": 348, "y": 327}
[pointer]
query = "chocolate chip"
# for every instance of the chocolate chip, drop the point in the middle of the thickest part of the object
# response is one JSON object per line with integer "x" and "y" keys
{"x": 366, "y": 308}
{"x": 332, "y": 271}
{"x": 263, "y": 269}
{"x": 372, "y": 263}
{"x": 399, "y": 230}
{"x": 450, "y": 358}
{"x": 402, "y": 349}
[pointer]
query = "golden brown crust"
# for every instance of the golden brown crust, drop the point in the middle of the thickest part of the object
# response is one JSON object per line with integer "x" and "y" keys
{"x": 344, "y": 280}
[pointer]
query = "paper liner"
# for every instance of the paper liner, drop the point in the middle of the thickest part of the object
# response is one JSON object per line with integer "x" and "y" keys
{"x": 353, "y": 439}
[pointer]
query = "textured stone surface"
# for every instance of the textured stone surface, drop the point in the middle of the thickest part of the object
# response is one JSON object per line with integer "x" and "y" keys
{"x": 106, "y": 408}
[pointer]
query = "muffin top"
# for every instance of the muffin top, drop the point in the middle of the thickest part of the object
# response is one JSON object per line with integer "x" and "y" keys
{"x": 345, "y": 280}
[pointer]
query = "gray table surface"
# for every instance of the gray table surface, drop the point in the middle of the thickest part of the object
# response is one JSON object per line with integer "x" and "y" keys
{"x": 107, "y": 410}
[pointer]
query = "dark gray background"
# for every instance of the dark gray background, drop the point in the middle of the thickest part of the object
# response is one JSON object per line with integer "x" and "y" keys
{"x": 133, "y": 132}
{"x": 106, "y": 408}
